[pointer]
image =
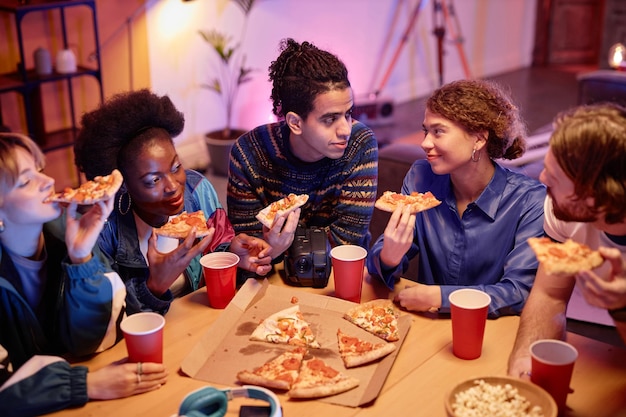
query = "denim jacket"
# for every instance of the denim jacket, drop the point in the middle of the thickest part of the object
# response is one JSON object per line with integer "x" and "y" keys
{"x": 118, "y": 241}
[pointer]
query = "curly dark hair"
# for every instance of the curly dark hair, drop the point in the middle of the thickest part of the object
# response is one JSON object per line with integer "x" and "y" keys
{"x": 302, "y": 72}
{"x": 481, "y": 105}
{"x": 124, "y": 122}
{"x": 589, "y": 144}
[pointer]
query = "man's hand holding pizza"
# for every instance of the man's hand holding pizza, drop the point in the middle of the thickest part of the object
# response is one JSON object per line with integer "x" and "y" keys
{"x": 398, "y": 236}
{"x": 254, "y": 253}
{"x": 605, "y": 292}
{"x": 166, "y": 267}
{"x": 280, "y": 236}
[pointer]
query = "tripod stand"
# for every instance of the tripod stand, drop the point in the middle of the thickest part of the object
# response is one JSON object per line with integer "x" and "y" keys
{"x": 372, "y": 109}
{"x": 443, "y": 15}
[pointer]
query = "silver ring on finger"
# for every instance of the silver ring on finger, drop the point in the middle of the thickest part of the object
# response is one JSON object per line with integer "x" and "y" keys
{"x": 139, "y": 372}
{"x": 521, "y": 374}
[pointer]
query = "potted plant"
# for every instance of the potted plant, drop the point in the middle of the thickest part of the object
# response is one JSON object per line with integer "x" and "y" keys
{"x": 231, "y": 73}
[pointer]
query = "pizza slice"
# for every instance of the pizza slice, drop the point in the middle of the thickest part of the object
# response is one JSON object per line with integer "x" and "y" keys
{"x": 378, "y": 317}
{"x": 287, "y": 326}
{"x": 279, "y": 373}
{"x": 317, "y": 379}
{"x": 418, "y": 202}
{"x": 565, "y": 258}
{"x": 357, "y": 352}
{"x": 101, "y": 188}
{"x": 179, "y": 227}
{"x": 281, "y": 208}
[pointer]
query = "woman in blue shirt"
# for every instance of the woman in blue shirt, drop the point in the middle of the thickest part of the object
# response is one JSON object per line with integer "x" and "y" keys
{"x": 477, "y": 236}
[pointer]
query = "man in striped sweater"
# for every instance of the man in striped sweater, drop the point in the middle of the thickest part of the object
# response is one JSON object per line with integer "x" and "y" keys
{"x": 315, "y": 149}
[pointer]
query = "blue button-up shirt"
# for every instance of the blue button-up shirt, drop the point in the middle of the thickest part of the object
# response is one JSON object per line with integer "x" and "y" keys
{"x": 485, "y": 249}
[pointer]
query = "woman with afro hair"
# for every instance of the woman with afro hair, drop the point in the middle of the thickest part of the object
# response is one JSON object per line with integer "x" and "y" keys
{"x": 134, "y": 132}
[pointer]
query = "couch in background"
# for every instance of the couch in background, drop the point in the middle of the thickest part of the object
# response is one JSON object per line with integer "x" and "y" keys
{"x": 602, "y": 85}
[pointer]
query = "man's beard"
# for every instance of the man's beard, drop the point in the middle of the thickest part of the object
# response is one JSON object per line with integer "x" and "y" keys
{"x": 572, "y": 212}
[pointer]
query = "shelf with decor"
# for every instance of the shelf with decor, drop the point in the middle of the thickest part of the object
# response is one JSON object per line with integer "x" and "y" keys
{"x": 28, "y": 83}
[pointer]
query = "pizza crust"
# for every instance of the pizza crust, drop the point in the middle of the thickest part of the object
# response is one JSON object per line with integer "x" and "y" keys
{"x": 281, "y": 208}
{"x": 317, "y": 379}
{"x": 101, "y": 188}
{"x": 418, "y": 202}
{"x": 356, "y": 352}
{"x": 565, "y": 258}
{"x": 286, "y": 326}
{"x": 179, "y": 227}
{"x": 278, "y": 373}
{"x": 379, "y": 317}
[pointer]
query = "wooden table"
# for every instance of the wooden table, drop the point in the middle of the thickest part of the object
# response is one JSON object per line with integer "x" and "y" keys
{"x": 424, "y": 370}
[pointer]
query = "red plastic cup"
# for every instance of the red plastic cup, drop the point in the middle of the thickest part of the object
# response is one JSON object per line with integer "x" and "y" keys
{"x": 468, "y": 310}
{"x": 348, "y": 265}
{"x": 552, "y": 366}
{"x": 143, "y": 333}
{"x": 220, "y": 276}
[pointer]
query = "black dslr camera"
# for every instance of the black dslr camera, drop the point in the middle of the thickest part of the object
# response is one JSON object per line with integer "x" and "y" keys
{"x": 307, "y": 262}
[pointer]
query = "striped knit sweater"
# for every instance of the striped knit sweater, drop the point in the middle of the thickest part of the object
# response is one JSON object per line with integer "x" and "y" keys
{"x": 341, "y": 191}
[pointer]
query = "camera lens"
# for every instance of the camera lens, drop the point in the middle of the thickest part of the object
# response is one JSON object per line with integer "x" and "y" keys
{"x": 303, "y": 264}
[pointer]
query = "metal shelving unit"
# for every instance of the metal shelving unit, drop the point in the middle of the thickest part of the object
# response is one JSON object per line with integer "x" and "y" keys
{"x": 27, "y": 82}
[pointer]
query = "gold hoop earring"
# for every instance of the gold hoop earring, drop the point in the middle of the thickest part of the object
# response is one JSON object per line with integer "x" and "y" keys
{"x": 1, "y": 226}
{"x": 119, "y": 203}
{"x": 474, "y": 159}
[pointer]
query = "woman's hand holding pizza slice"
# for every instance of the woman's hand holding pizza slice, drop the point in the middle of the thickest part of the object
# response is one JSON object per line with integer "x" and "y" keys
{"x": 81, "y": 233}
{"x": 398, "y": 236}
{"x": 166, "y": 267}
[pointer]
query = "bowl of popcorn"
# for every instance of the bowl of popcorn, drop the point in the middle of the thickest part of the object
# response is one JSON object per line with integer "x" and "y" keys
{"x": 499, "y": 396}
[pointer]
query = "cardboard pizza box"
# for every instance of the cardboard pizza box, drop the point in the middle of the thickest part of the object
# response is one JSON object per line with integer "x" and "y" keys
{"x": 225, "y": 348}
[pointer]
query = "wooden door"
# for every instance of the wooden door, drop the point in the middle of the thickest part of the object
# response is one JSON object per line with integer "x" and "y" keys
{"x": 568, "y": 32}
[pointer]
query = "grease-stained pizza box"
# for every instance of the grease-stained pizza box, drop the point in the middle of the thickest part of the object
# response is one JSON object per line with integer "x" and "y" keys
{"x": 225, "y": 348}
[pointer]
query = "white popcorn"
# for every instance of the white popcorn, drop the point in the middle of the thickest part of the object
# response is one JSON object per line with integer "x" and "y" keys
{"x": 487, "y": 400}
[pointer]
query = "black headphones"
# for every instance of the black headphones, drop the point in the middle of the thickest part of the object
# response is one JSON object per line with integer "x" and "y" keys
{"x": 213, "y": 402}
